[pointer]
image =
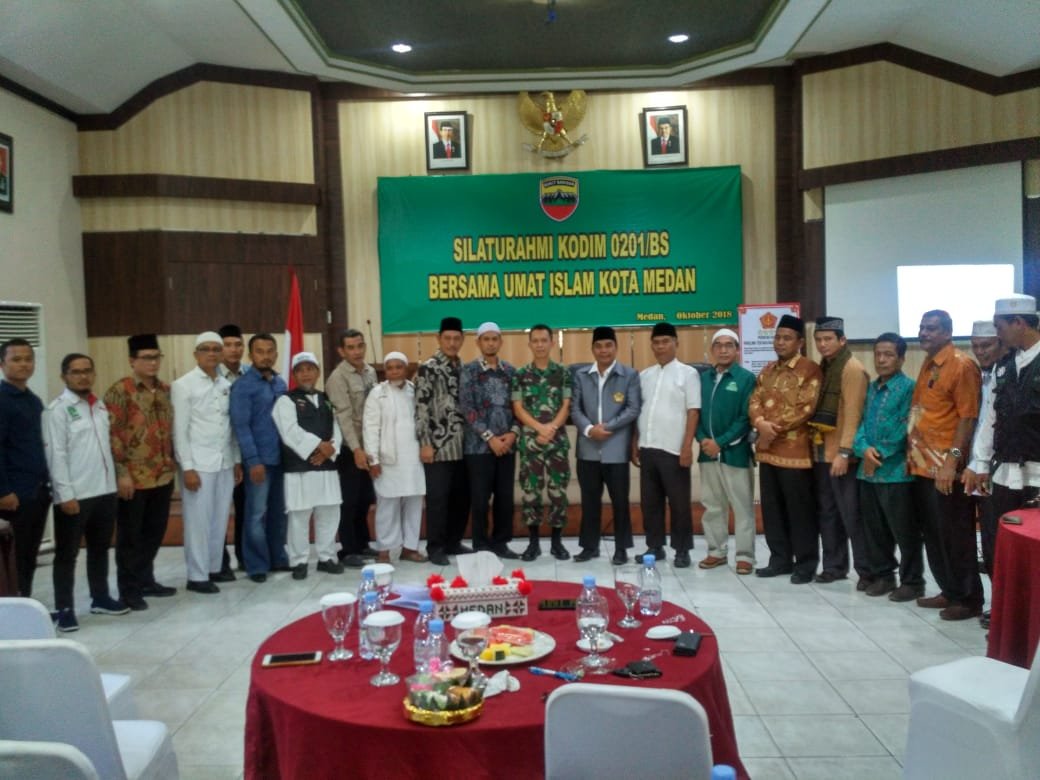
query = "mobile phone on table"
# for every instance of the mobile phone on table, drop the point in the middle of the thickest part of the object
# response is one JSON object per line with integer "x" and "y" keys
{"x": 1012, "y": 519}
{"x": 292, "y": 659}
{"x": 557, "y": 604}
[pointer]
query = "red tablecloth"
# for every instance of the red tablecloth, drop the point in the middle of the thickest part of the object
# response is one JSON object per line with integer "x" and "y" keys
{"x": 327, "y": 721}
{"x": 1015, "y": 622}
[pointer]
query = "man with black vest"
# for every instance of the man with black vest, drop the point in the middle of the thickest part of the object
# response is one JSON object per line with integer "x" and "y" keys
{"x": 311, "y": 439}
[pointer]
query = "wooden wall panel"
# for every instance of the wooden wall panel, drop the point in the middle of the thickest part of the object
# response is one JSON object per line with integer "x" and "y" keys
{"x": 216, "y": 216}
{"x": 726, "y": 126}
{"x": 879, "y": 110}
{"x": 211, "y": 129}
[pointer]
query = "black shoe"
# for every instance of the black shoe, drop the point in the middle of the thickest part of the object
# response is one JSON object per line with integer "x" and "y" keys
{"x": 460, "y": 549}
{"x": 880, "y": 586}
{"x": 353, "y": 561}
{"x": 368, "y": 552}
{"x": 503, "y": 551}
{"x": 282, "y": 568}
{"x": 136, "y": 603}
{"x": 261, "y": 577}
{"x": 866, "y": 580}
{"x": 801, "y": 579}
{"x": 299, "y": 572}
{"x": 657, "y": 552}
{"x": 771, "y": 571}
{"x": 330, "y": 567}
{"x": 682, "y": 560}
{"x": 201, "y": 587}
{"x": 534, "y": 549}
{"x": 437, "y": 558}
{"x": 224, "y": 575}
{"x": 157, "y": 590}
{"x": 827, "y": 577}
{"x": 586, "y": 554}
{"x": 620, "y": 558}
{"x": 558, "y": 551}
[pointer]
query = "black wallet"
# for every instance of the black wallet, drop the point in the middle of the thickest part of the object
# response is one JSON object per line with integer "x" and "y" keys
{"x": 687, "y": 643}
{"x": 639, "y": 670}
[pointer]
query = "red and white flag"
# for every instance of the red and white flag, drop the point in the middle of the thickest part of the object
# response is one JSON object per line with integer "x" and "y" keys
{"x": 293, "y": 329}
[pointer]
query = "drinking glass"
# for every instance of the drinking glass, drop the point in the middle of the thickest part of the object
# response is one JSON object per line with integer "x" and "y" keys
{"x": 472, "y": 642}
{"x": 384, "y": 580}
{"x": 626, "y": 584}
{"x": 593, "y": 616}
{"x": 383, "y": 631}
{"x": 337, "y": 610}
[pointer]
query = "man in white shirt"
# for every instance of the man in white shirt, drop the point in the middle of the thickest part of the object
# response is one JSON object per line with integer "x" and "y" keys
{"x": 231, "y": 368}
{"x": 663, "y": 444}
{"x": 209, "y": 460}
{"x": 311, "y": 439}
{"x": 83, "y": 483}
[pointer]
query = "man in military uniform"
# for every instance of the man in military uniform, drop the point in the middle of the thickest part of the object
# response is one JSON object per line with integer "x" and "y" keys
{"x": 541, "y": 392}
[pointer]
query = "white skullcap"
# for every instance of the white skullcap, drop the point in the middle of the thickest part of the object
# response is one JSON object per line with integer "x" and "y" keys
{"x": 723, "y": 333}
{"x": 1015, "y": 304}
{"x": 488, "y": 327}
{"x": 983, "y": 329}
{"x": 209, "y": 335}
{"x": 304, "y": 357}
{"x": 395, "y": 356}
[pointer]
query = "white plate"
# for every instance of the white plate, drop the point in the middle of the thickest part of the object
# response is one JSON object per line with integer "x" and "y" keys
{"x": 663, "y": 632}
{"x": 602, "y": 646}
{"x": 542, "y": 645}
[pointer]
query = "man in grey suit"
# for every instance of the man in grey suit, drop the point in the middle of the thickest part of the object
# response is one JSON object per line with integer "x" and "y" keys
{"x": 605, "y": 406}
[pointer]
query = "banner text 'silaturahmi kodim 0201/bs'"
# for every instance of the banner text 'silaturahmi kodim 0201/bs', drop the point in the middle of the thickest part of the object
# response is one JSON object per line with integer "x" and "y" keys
{"x": 574, "y": 250}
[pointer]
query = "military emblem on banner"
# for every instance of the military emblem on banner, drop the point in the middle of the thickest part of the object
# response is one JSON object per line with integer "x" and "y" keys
{"x": 558, "y": 196}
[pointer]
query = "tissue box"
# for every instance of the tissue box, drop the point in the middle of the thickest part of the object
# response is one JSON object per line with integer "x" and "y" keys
{"x": 496, "y": 600}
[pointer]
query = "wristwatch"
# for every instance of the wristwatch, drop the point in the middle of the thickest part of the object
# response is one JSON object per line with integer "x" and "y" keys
{"x": 487, "y": 436}
{"x": 955, "y": 452}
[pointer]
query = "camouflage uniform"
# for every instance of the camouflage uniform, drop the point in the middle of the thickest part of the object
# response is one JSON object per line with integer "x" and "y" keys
{"x": 542, "y": 393}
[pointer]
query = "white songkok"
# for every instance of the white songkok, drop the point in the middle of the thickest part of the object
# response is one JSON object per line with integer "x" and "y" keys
{"x": 488, "y": 327}
{"x": 209, "y": 335}
{"x": 1015, "y": 304}
{"x": 395, "y": 356}
{"x": 304, "y": 357}
{"x": 983, "y": 329}
{"x": 725, "y": 333}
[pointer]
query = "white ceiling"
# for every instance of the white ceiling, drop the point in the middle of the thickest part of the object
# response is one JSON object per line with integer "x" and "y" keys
{"x": 92, "y": 55}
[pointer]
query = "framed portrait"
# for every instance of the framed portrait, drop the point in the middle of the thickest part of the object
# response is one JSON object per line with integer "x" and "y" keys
{"x": 664, "y": 136}
{"x": 6, "y": 174}
{"x": 447, "y": 141}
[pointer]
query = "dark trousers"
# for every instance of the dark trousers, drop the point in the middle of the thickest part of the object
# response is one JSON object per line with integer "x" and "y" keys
{"x": 789, "y": 518}
{"x": 358, "y": 495}
{"x": 28, "y": 522}
{"x": 886, "y": 510}
{"x": 948, "y": 525}
{"x": 140, "y": 527}
{"x": 592, "y": 476}
{"x": 491, "y": 475}
{"x": 988, "y": 518}
{"x": 96, "y": 521}
{"x": 661, "y": 477}
{"x": 238, "y": 499}
{"x": 837, "y": 500}
{"x": 447, "y": 504}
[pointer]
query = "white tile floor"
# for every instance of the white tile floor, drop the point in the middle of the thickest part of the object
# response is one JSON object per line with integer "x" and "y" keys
{"x": 816, "y": 674}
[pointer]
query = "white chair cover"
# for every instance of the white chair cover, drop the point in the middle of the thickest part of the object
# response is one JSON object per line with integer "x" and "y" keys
{"x": 29, "y": 619}
{"x": 50, "y": 690}
{"x": 602, "y": 732}
{"x": 44, "y": 761}
{"x": 974, "y": 717}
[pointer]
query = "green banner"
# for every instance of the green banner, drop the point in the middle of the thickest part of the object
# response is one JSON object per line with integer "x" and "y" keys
{"x": 572, "y": 250}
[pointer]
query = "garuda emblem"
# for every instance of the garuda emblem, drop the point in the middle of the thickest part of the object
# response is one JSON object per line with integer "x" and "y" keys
{"x": 543, "y": 117}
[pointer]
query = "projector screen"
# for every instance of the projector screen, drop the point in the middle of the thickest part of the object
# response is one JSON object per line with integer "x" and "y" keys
{"x": 967, "y": 217}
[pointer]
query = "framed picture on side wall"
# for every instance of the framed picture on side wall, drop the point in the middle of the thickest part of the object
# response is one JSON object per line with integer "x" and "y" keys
{"x": 664, "y": 136}
{"x": 447, "y": 141}
{"x": 6, "y": 174}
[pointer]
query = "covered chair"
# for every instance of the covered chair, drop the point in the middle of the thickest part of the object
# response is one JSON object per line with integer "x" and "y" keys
{"x": 28, "y": 619}
{"x": 50, "y": 690}
{"x": 974, "y": 717}
{"x": 601, "y": 732}
{"x": 44, "y": 761}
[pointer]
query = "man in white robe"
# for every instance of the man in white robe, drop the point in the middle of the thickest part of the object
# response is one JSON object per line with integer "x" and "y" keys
{"x": 393, "y": 457}
{"x": 311, "y": 439}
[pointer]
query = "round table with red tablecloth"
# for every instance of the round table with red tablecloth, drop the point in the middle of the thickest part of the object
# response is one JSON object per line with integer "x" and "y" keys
{"x": 1014, "y": 629}
{"x": 327, "y": 721}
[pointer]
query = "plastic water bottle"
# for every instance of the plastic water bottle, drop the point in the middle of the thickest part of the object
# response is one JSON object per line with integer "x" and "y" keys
{"x": 649, "y": 588}
{"x": 421, "y": 641}
{"x": 723, "y": 772}
{"x": 588, "y": 589}
{"x": 368, "y": 583}
{"x": 369, "y": 604}
{"x": 437, "y": 647}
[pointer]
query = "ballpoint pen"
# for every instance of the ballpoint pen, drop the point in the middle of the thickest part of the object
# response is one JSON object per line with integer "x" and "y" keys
{"x": 569, "y": 676}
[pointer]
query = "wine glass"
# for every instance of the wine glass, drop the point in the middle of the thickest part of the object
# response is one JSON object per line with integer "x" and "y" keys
{"x": 337, "y": 610}
{"x": 626, "y": 583}
{"x": 472, "y": 642}
{"x": 383, "y": 631}
{"x": 384, "y": 580}
{"x": 593, "y": 616}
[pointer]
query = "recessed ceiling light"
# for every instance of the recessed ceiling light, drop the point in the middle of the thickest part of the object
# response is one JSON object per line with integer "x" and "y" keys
{"x": 680, "y": 38}
{"x": 401, "y": 48}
